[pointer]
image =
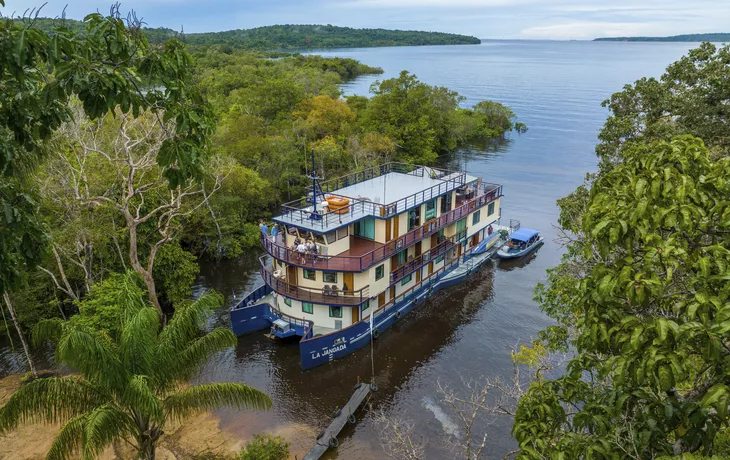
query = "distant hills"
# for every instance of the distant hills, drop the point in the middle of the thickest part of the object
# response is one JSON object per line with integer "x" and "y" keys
{"x": 716, "y": 37}
{"x": 295, "y": 37}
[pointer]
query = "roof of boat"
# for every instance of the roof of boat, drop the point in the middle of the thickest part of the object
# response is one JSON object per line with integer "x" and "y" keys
{"x": 524, "y": 234}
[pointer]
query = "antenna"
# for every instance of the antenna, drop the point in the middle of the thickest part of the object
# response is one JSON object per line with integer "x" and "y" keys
{"x": 313, "y": 175}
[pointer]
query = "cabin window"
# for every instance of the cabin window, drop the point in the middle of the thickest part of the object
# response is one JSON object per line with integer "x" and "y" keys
{"x": 342, "y": 233}
{"x": 335, "y": 312}
{"x": 440, "y": 236}
{"x": 331, "y": 237}
{"x": 431, "y": 210}
{"x": 310, "y": 275}
{"x": 379, "y": 272}
{"x": 490, "y": 209}
{"x": 307, "y": 307}
{"x": 446, "y": 203}
{"x": 406, "y": 280}
{"x": 329, "y": 277}
{"x": 414, "y": 218}
{"x": 475, "y": 218}
{"x": 461, "y": 225}
{"x": 365, "y": 305}
{"x": 365, "y": 228}
{"x": 287, "y": 301}
{"x": 402, "y": 257}
{"x": 439, "y": 259}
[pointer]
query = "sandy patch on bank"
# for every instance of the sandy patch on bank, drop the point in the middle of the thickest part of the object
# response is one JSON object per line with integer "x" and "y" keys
{"x": 199, "y": 434}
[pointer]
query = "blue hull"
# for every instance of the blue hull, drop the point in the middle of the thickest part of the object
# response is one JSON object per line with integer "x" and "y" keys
{"x": 315, "y": 351}
{"x": 517, "y": 254}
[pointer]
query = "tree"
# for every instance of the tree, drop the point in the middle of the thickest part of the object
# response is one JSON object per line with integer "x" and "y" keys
{"x": 110, "y": 66}
{"x": 130, "y": 388}
{"x": 111, "y": 165}
{"x": 648, "y": 310}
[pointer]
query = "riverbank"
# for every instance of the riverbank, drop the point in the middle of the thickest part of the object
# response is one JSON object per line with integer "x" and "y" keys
{"x": 199, "y": 437}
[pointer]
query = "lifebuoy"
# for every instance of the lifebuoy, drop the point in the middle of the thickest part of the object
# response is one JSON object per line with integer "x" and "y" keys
{"x": 334, "y": 442}
{"x": 351, "y": 419}
{"x": 397, "y": 314}
{"x": 376, "y": 333}
{"x": 373, "y": 388}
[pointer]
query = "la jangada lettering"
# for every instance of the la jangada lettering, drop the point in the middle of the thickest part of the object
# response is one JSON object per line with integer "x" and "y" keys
{"x": 329, "y": 351}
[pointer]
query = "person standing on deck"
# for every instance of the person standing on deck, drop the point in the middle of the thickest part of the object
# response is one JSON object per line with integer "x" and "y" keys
{"x": 274, "y": 232}
{"x": 264, "y": 228}
{"x": 302, "y": 250}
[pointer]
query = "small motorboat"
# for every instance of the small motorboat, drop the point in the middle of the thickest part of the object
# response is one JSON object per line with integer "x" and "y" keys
{"x": 519, "y": 243}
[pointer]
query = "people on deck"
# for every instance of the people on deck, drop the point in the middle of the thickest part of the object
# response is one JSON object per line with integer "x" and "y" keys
{"x": 264, "y": 228}
{"x": 302, "y": 250}
{"x": 274, "y": 232}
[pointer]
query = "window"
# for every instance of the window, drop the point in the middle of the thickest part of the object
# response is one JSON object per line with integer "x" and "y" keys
{"x": 440, "y": 237}
{"x": 335, "y": 312}
{"x": 365, "y": 228}
{"x": 490, "y": 209}
{"x": 342, "y": 232}
{"x": 402, "y": 257}
{"x": 431, "y": 210}
{"x": 414, "y": 218}
{"x": 287, "y": 301}
{"x": 331, "y": 237}
{"x": 446, "y": 203}
{"x": 329, "y": 277}
{"x": 439, "y": 259}
{"x": 406, "y": 280}
{"x": 475, "y": 218}
{"x": 310, "y": 275}
{"x": 461, "y": 225}
{"x": 365, "y": 306}
{"x": 379, "y": 272}
{"x": 307, "y": 307}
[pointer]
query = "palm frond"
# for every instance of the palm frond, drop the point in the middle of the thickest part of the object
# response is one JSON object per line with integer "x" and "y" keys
{"x": 94, "y": 357}
{"x": 69, "y": 439}
{"x": 47, "y": 330}
{"x": 181, "y": 365}
{"x": 211, "y": 396}
{"x": 138, "y": 341}
{"x": 128, "y": 297}
{"x": 186, "y": 322}
{"x": 103, "y": 426}
{"x": 140, "y": 396}
{"x": 51, "y": 400}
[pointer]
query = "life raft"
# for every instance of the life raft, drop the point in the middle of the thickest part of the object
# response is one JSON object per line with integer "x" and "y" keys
{"x": 338, "y": 204}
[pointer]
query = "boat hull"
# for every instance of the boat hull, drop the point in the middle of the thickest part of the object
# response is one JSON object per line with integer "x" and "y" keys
{"x": 249, "y": 316}
{"x": 516, "y": 255}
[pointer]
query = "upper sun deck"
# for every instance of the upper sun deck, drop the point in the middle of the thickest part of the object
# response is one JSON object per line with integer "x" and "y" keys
{"x": 382, "y": 192}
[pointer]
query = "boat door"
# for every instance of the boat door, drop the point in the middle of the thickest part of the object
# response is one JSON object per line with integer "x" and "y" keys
{"x": 381, "y": 299}
{"x": 349, "y": 283}
{"x": 460, "y": 248}
{"x": 430, "y": 269}
{"x": 291, "y": 275}
{"x": 418, "y": 249}
{"x": 355, "y": 314}
{"x": 418, "y": 275}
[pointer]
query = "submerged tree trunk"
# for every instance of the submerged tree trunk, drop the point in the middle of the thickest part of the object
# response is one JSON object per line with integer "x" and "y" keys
{"x": 6, "y": 297}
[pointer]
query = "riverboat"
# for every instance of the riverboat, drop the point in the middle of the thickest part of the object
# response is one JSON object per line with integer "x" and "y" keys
{"x": 520, "y": 243}
{"x": 386, "y": 239}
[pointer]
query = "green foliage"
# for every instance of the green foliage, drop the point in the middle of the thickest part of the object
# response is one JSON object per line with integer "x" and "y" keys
{"x": 131, "y": 387}
{"x": 104, "y": 308}
{"x": 694, "y": 38}
{"x": 650, "y": 311}
{"x": 175, "y": 271}
{"x": 110, "y": 66}
{"x": 265, "y": 447}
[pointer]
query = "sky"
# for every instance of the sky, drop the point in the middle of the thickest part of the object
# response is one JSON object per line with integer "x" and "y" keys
{"x": 509, "y": 19}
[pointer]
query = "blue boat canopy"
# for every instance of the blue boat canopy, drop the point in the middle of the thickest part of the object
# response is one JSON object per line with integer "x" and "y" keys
{"x": 523, "y": 234}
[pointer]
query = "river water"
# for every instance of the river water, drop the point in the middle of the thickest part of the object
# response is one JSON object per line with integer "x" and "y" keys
{"x": 467, "y": 331}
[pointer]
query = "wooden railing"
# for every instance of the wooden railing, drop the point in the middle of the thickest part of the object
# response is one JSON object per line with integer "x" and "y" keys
{"x": 313, "y": 295}
{"x": 486, "y": 194}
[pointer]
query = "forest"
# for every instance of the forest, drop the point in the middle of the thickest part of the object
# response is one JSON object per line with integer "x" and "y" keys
{"x": 124, "y": 162}
{"x": 296, "y": 37}
{"x": 697, "y": 38}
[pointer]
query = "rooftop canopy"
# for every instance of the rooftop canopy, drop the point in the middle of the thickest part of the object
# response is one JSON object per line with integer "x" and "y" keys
{"x": 523, "y": 234}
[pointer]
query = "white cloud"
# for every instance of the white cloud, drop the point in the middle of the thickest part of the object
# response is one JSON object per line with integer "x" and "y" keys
{"x": 590, "y": 29}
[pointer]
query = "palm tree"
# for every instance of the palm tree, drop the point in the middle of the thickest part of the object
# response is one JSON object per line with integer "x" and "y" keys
{"x": 128, "y": 388}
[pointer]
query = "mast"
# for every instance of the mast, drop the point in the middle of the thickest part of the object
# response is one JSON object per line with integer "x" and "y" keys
{"x": 313, "y": 176}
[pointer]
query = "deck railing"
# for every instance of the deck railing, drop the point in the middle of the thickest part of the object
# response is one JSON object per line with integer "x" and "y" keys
{"x": 313, "y": 295}
{"x": 424, "y": 259}
{"x": 485, "y": 194}
{"x": 300, "y": 211}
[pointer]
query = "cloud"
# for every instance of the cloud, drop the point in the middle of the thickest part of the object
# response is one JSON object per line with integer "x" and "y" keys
{"x": 588, "y": 30}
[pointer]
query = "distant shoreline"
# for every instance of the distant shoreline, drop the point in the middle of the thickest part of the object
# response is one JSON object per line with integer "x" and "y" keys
{"x": 710, "y": 37}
